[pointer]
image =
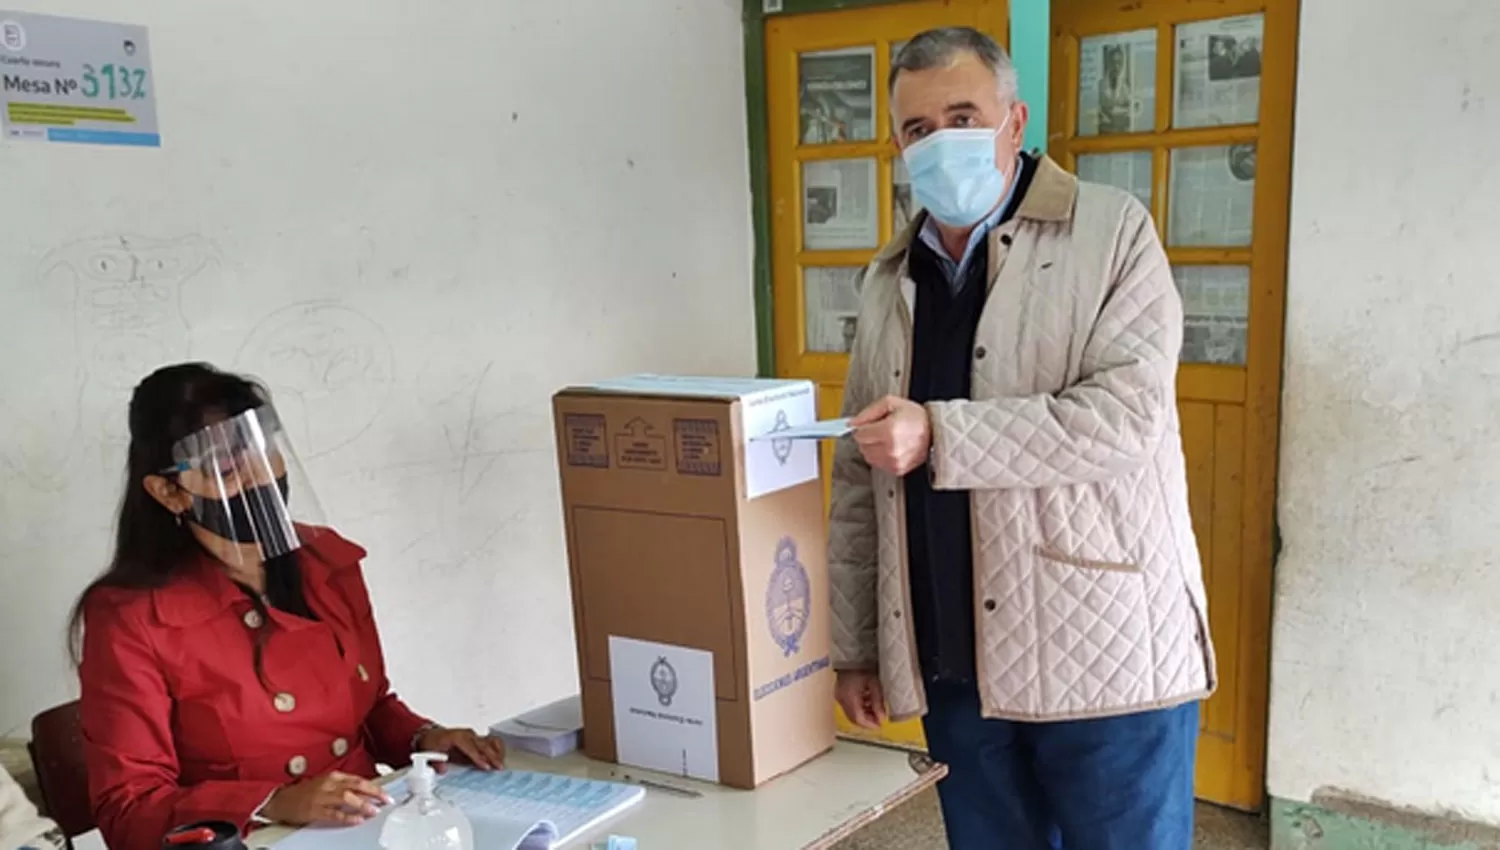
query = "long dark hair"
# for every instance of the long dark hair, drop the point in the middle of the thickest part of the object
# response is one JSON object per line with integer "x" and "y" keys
{"x": 151, "y": 544}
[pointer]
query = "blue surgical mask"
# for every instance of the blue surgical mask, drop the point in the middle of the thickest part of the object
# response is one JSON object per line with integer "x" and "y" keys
{"x": 953, "y": 174}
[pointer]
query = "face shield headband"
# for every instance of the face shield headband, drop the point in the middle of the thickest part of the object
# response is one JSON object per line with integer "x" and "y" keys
{"x": 240, "y": 473}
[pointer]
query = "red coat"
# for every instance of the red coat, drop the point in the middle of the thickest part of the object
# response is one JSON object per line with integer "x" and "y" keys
{"x": 176, "y": 726}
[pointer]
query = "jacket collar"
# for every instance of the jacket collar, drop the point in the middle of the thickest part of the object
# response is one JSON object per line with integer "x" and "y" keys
{"x": 202, "y": 591}
{"x": 1049, "y": 198}
{"x": 1052, "y": 194}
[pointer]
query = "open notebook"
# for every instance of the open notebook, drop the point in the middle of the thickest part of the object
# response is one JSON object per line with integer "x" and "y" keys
{"x": 509, "y": 809}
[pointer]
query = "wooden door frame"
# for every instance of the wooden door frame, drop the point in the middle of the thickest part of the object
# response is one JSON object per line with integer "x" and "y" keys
{"x": 1260, "y": 393}
{"x": 757, "y": 113}
{"x": 877, "y": 29}
{"x": 758, "y": 123}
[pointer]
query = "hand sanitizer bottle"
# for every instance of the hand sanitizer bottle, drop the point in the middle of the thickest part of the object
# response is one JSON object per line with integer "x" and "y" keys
{"x": 422, "y": 821}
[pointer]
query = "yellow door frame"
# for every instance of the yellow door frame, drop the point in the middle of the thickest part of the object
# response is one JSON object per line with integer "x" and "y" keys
{"x": 787, "y": 38}
{"x": 1230, "y": 413}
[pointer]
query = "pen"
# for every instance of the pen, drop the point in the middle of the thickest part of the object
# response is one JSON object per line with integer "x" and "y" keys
{"x": 201, "y": 835}
{"x": 661, "y": 786}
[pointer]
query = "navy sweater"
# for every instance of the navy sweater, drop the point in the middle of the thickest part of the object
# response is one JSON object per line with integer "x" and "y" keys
{"x": 939, "y": 536}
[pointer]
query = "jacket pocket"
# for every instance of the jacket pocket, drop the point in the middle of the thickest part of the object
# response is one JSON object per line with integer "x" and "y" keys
{"x": 206, "y": 746}
{"x": 1063, "y": 559}
{"x": 1097, "y": 525}
{"x": 1094, "y": 634}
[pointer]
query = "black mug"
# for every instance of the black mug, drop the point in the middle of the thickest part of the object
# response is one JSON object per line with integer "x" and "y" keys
{"x": 204, "y": 835}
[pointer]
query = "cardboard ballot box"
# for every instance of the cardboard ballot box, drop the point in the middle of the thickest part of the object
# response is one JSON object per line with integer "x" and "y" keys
{"x": 699, "y": 575}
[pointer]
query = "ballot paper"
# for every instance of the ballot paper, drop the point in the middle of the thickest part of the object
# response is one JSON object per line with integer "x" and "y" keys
{"x": 550, "y": 731}
{"x": 509, "y": 810}
{"x": 828, "y": 429}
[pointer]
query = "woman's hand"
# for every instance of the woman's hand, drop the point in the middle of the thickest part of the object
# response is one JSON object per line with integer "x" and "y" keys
{"x": 335, "y": 798}
{"x": 464, "y": 746}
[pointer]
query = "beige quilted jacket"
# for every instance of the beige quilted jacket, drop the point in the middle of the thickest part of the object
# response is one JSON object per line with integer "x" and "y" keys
{"x": 1089, "y": 597}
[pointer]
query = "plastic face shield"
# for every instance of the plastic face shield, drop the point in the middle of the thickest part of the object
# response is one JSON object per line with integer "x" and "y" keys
{"x": 245, "y": 479}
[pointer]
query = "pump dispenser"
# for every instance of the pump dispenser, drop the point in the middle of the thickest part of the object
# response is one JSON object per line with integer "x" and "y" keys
{"x": 422, "y": 821}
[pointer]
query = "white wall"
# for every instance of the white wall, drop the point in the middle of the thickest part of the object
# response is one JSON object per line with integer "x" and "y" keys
{"x": 494, "y": 198}
{"x": 1386, "y": 653}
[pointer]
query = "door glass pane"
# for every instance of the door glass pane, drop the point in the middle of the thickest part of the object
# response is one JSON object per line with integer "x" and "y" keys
{"x": 831, "y": 302}
{"x": 1117, "y": 83}
{"x": 838, "y": 205}
{"x": 1213, "y": 196}
{"x": 1216, "y": 313}
{"x": 1130, "y": 171}
{"x": 1217, "y": 76}
{"x": 903, "y": 207}
{"x": 837, "y": 96}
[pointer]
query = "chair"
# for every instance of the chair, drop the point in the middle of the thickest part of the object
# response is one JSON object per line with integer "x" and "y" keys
{"x": 57, "y": 755}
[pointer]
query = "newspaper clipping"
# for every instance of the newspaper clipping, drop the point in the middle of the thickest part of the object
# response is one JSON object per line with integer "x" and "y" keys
{"x": 1117, "y": 83}
{"x": 1216, "y": 313}
{"x": 1130, "y": 171}
{"x": 1213, "y": 196}
{"x": 832, "y": 305}
{"x": 1218, "y": 72}
{"x": 838, "y": 96}
{"x": 839, "y": 210}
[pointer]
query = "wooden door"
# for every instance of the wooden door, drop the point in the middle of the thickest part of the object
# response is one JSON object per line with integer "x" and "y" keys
{"x": 1188, "y": 105}
{"x": 837, "y": 186}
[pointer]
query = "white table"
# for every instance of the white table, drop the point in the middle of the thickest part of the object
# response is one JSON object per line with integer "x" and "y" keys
{"x": 814, "y": 807}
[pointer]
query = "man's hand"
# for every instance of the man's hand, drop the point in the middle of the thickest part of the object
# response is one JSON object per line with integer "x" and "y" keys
{"x": 861, "y": 698}
{"x": 894, "y": 434}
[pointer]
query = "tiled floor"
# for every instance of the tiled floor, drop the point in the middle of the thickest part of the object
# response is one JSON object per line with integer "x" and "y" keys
{"x": 919, "y": 826}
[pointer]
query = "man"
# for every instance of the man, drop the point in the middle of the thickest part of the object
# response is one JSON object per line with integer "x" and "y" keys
{"x": 1011, "y": 551}
{"x": 21, "y": 828}
{"x": 1247, "y": 58}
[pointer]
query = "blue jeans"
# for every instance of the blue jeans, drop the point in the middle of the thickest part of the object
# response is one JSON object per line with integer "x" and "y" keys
{"x": 1121, "y": 783}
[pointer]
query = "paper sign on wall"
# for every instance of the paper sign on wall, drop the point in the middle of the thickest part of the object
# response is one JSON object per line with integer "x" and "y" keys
{"x": 76, "y": 81}
{"x": 666, "y": 718}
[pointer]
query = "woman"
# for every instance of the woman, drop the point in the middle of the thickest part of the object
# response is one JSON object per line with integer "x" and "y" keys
{"x": 231, "y": 668}
{"x": 21, "y": 828}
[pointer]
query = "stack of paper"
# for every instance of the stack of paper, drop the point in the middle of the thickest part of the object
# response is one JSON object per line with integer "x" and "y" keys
{"x": 549, "y": 731}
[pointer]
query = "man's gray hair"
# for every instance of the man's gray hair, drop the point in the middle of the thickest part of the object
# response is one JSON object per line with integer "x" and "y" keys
{"x": 940, "y": 48}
